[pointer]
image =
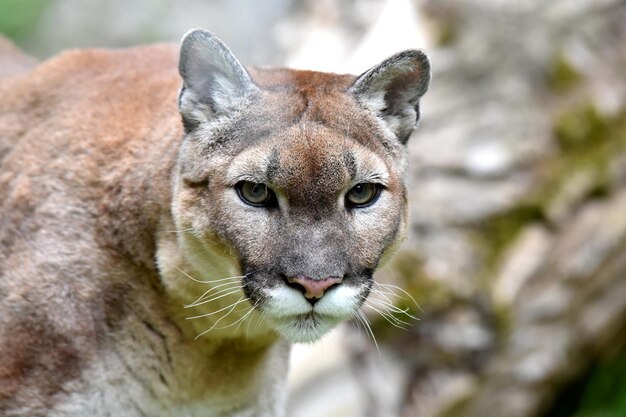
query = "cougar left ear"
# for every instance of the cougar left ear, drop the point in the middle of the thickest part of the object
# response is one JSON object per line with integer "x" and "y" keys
{"x": 393, "y": 89}
{"x": 214, "y": 81}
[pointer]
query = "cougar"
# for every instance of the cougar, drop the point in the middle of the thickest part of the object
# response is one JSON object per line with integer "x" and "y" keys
{"x": 161, "y": 247}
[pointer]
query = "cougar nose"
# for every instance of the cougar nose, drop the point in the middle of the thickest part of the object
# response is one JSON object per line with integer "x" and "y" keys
{"x": 314, "y": 288}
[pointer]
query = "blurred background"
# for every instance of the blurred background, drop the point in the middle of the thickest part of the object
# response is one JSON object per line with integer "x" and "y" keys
{"x": 516, "y": 257}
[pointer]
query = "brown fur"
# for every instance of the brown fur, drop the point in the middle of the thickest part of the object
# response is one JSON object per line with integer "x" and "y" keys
{"x": 77, "y": 211}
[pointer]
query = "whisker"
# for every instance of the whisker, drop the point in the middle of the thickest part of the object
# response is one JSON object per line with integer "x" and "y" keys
{"x": 223, "y": 317}
{"x": 381, "y": 305}
{"x": 385, "y": 294}
{"x": 231, "y": 285}
{"x": 382, "y": 294}
{"x": 217, "y": 311}
{"x": 394, "y": 324}
{"x": 384, "y": 289}
{"x": 392, "y": 308}
{"x": 211, "y": 281}
{"x": 241, "y": 319}
{"x": 392, "y": 287}
{"x": 248, "y": 326}
{"x": 179, "y": 230}
{"x": 261, "y": 320}
{"x": 251, "y": 320}
{"x": 251, "y": 310}
{"x": 217, "y": 297}
{"x": 368, "y": 329}
{"x": 391, "y": 319}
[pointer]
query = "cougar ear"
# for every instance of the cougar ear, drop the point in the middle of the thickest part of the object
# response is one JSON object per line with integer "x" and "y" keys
{"x": 393, "y": 89}
{"x": 214, "y": 81}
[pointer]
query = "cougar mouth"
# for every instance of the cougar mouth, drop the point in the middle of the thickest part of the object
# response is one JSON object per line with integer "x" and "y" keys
{"x": 305, "y": 328}
{"x": 299, "y": 318}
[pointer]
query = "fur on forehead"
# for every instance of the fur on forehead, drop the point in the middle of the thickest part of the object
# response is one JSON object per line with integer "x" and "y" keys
{"x": 274, "y": 111}
{"x": 299, "y": 149}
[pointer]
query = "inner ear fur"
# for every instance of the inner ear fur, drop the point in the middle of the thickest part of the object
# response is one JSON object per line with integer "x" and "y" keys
{"x": 393, "y": 90}
{"x": 214, "y": 81}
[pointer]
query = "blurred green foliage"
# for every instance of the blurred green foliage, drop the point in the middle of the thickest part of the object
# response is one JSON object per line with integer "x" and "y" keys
{"x": 18, "y": 18}
{"x": 601, "y": 393}
{"x": 605, "y": 393}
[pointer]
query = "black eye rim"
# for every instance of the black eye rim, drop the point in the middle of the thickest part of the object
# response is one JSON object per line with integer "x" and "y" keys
{"x": 269, "y": 202}
{"x": 378, "y": 189}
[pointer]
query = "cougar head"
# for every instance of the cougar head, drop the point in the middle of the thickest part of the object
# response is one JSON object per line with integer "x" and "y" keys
{"x": 294, "y": 178}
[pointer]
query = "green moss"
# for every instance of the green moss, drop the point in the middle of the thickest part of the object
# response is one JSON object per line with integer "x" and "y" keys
{"x": 563, "y": 76}
{"x": 587, "y": 143}
{"x": 458, "y": 408}
{"x": 601, "y": 392}
{"x": 18, "y": 18}
{"x": 447, "y": 35}
{"x": 501, "y": 229}
{"x": 581, "y": 128}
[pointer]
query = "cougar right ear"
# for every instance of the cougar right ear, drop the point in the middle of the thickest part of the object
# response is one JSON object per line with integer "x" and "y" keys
{"x": 214, "y": 81}
{"x": 393, "y": 90}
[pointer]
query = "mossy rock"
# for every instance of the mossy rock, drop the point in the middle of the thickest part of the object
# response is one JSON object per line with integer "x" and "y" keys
{"x": 587, "y": 142}
{"x": 563, "y": 76}
{"x": 582, "y": 128}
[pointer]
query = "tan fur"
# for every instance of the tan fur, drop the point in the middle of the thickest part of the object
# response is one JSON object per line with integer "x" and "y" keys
{"x": 110, "y": 216}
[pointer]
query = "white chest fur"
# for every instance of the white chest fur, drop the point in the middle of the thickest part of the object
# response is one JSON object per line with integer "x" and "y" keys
{"x": 134, "y": 383}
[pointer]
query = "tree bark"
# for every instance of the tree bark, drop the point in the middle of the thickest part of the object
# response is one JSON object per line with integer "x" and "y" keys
{"x": 517, "y": 254}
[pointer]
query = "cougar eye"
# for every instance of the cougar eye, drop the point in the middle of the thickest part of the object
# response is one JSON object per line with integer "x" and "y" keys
{"x": 255, "y": 193}
{"x": 362, "y": 195}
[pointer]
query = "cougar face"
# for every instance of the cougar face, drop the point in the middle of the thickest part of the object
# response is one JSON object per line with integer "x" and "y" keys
{"x": 294, "y": 178}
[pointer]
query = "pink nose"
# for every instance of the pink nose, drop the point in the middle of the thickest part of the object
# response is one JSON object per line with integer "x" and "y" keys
{"x": 314, "y": 288}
